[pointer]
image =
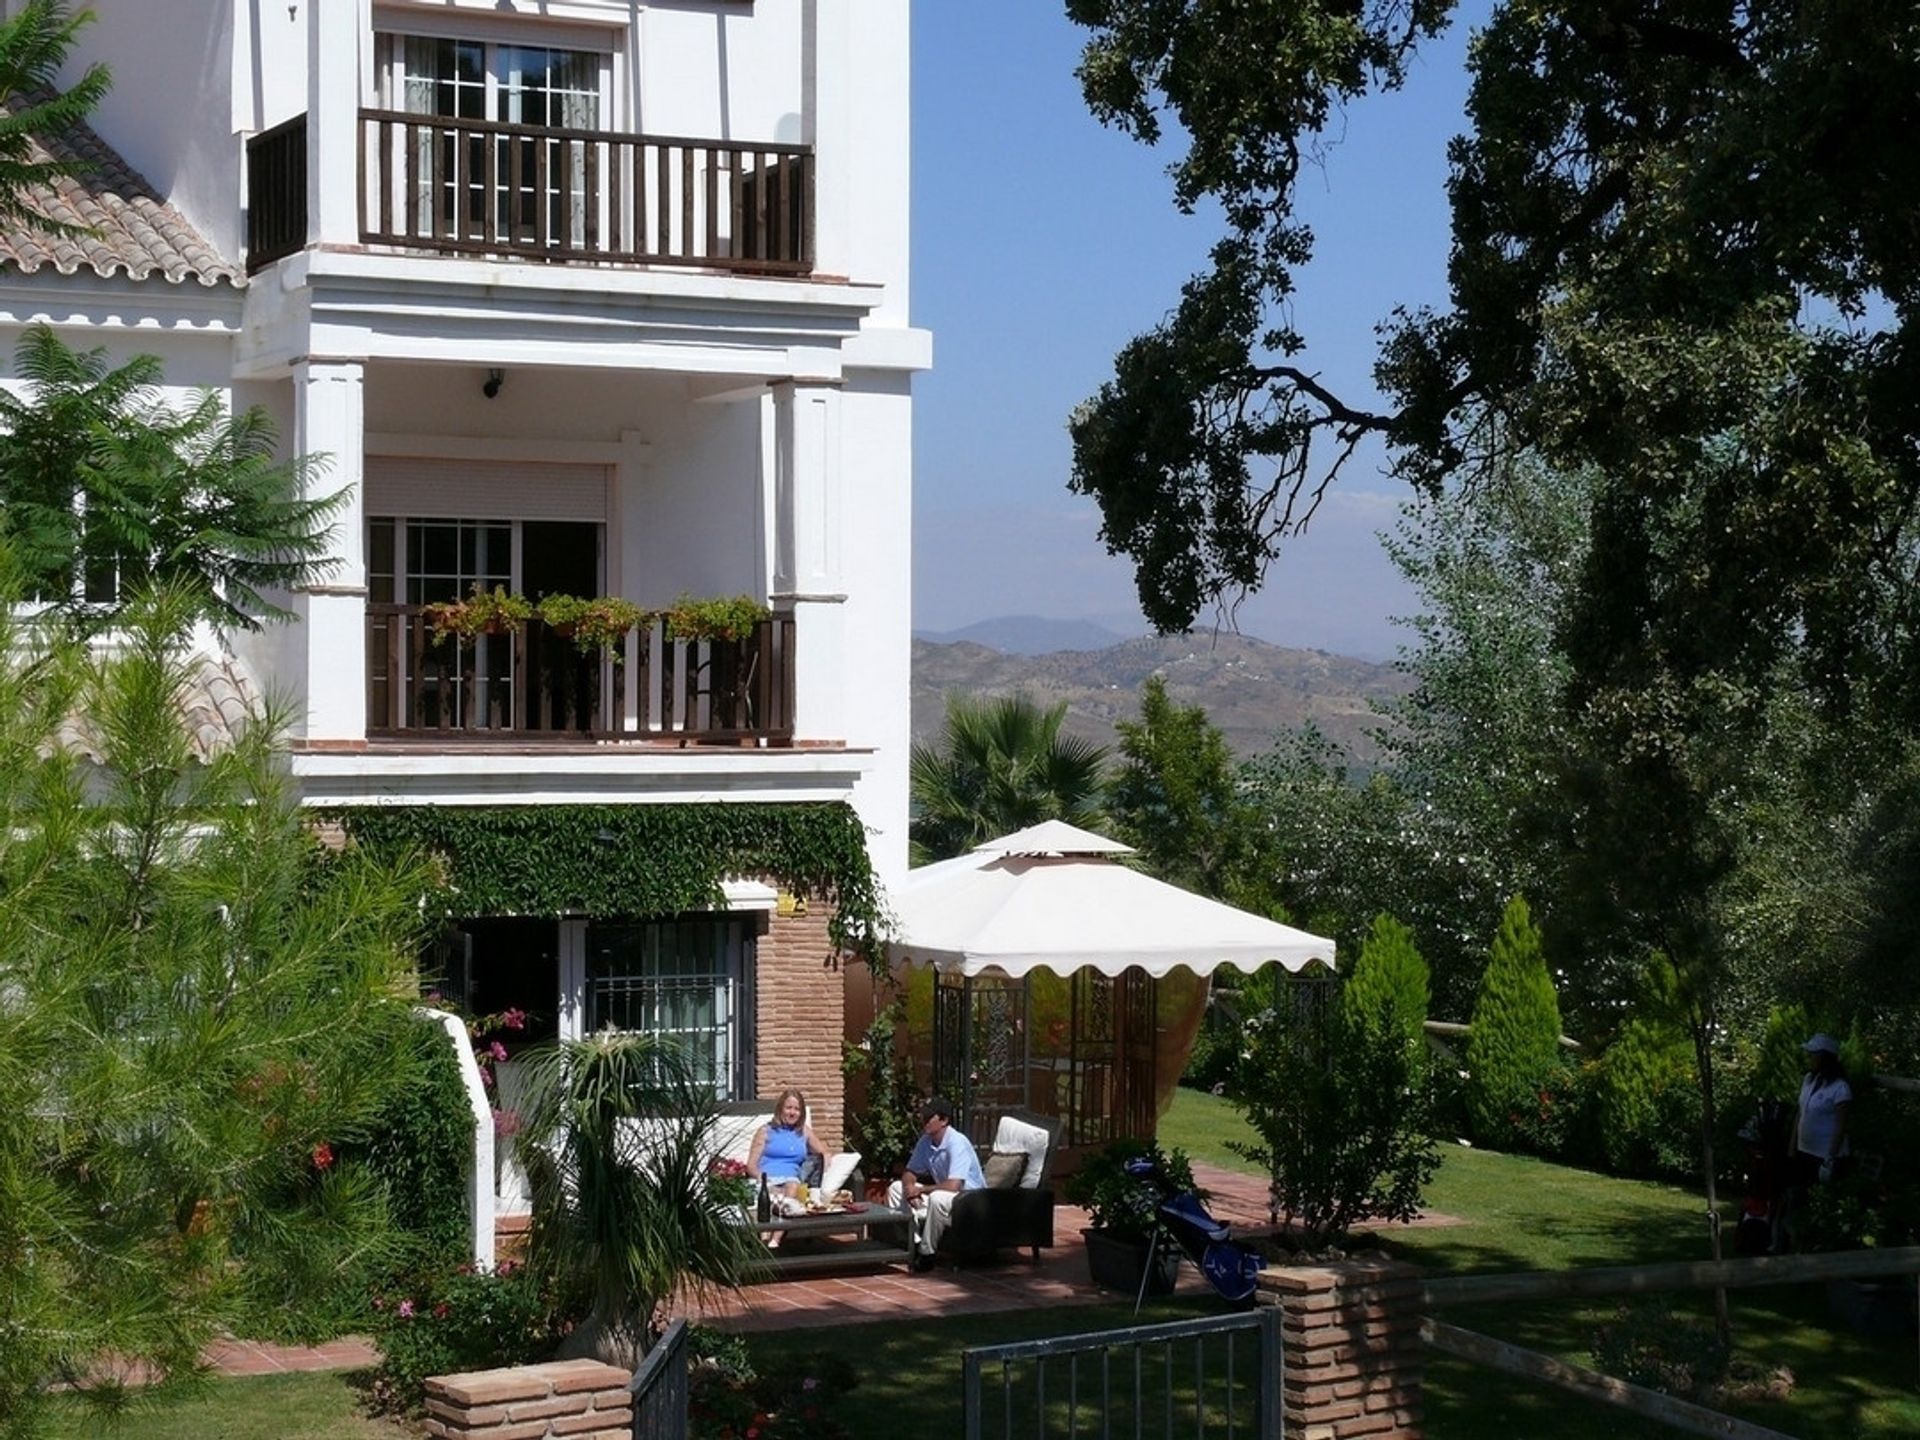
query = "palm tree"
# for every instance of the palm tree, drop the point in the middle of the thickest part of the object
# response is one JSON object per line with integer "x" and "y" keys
{"x": 618, "y": 1142}
{"x": 1001, "y": 765}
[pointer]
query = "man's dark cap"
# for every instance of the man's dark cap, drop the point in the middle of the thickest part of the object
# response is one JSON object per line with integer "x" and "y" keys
{"x": 936, "y": 1106}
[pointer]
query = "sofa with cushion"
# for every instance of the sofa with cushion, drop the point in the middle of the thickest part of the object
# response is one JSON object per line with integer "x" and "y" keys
{"x": 1016, "y": 1208}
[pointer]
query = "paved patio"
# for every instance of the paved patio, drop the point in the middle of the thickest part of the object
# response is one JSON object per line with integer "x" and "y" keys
{"x": 1058, "y": 1278}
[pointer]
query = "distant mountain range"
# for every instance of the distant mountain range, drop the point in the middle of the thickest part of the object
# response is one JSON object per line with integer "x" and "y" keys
{"x": 1250, "y": 689}
{"x": 1028, "y": 635}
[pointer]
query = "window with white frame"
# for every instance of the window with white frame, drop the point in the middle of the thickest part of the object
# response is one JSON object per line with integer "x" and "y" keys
{"x": 688, "y": 980}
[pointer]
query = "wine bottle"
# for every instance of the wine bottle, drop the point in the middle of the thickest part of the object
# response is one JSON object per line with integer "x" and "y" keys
{"x": 763, "y": 1210}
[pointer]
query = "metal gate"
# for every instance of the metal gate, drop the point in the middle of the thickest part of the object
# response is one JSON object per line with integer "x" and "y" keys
{"x": 1191, "y": 1379}
{"x": 981, "y": 1048}
{"x": 659, "y": 1388}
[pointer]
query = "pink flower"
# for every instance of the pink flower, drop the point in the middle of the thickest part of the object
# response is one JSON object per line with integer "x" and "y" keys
{"x": 322, "y": 1155}
{"x": 497, "y": 1050}
{"x": 513, "y": 1019}
{"x": 404, "y": 1310}
{"x": 506, "y": 1122}
{"x": 486, "y": 1077}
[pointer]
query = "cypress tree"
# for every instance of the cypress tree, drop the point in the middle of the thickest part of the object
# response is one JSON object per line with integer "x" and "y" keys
{"x": 1515, "y": 1038}
{"x": 1389, "y": 983}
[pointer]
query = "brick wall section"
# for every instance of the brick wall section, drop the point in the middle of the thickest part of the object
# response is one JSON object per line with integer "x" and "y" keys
{"x": 575, "y": 1399}
{"x": 1353, "y": 1357}
{"x": 800, "y": 1010}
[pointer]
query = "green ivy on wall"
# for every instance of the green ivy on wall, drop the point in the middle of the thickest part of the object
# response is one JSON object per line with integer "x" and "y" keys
{"x": 639, "y": 860}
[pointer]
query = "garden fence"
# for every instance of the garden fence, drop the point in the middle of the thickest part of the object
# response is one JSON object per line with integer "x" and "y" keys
{"x": 1218, "y": 1377}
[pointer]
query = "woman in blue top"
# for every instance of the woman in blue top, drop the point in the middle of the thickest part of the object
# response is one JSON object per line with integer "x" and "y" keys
{"x": 781, "y": 1146}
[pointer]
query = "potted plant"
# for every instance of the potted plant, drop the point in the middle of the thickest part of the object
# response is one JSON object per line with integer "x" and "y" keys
{"x": 483, "y": 612}
{"x": 1120, "y": 1211}
{"x": 591, "y": 624}
{"x": 729, "y": 617}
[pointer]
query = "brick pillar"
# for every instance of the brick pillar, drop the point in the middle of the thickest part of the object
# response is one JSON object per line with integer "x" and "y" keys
{"x": 577, "y": 1399}
{"x": 1353, "y": 1359}
{"x": 800, "y": 1016}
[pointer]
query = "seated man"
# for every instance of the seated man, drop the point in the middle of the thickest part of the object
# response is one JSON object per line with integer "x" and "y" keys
{"x": 943, "y": 1164}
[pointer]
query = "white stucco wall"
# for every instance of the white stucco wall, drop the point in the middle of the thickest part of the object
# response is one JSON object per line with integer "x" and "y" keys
{"x": 170, "y": 111}
{"x": 690, "y": 509}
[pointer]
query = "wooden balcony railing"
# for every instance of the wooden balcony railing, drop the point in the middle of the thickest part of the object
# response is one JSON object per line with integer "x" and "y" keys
{"x": 485, "y": 187}
{"x": 535, "y": 684}
{"x": 276, "y": 193}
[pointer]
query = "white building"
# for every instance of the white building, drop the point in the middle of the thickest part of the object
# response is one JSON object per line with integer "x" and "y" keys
{"x": 596, "y": 297}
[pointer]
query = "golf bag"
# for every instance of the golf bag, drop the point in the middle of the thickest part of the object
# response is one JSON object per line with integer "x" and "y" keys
{"x": 1182, "y": 1221}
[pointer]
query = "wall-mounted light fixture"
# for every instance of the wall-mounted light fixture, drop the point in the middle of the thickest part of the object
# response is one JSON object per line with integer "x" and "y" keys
{"x": 495, "y": 379}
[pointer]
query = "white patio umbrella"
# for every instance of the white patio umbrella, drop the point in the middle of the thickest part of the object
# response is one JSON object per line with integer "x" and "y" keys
{"x": 1053, "y": 897}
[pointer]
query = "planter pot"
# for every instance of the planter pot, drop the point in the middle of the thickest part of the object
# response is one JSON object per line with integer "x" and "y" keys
{"x": 1883, "y": 1309}
{"x": 1117, "y": 1263}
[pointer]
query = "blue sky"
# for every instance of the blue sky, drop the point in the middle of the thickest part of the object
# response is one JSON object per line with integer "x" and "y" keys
{"x": 1044, "y": 242}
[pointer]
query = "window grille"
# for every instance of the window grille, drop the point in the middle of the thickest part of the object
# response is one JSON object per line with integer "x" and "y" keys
{"x": 689, "y": 980}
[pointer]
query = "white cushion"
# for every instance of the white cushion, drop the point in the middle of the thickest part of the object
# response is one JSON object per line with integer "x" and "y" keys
{"x": 1016, "y": 1136}
{"x": 733, "y": 1135}
{"x": 837, "y": 1171}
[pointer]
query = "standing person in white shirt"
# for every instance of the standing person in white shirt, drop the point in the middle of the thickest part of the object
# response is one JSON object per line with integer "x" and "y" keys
{"x": 1820, "y": 1125}
{"x": 943, "y": 1164}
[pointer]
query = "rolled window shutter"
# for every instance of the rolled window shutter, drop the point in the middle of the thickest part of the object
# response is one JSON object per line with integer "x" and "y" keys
{"x": 484, "y": 489}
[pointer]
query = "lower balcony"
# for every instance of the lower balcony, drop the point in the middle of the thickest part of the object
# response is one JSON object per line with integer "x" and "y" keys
{"x": 534, "y": 684}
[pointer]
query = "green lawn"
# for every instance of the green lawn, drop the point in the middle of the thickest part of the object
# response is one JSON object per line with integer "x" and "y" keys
{"x": 273, "y": 1407}
{"x": 1526, "y": 1214}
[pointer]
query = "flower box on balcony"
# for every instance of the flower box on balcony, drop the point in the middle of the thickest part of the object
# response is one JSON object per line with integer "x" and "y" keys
{"x": 730, "y": 617}
{"x": 593, "y": 624}
{"x": 483, "y": 612}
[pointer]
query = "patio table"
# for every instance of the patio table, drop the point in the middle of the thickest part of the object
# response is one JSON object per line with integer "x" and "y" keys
{"x": 881, "y": 1236}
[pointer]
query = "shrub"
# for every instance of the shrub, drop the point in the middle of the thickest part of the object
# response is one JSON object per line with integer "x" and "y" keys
{"x": 1216, "y": 1050}
{"x": 1515, "y": 1039}
{"x": 421, "y": 1146}
{"x": 1648, "y": 1345}
{"x": 1649, "y": 1102}
{"x": 448, "y": 1321}
{"x": 786, "y": 1399}
{"x": 885, "y": 1127}
{"x": 1342, "y": 1108}
{"x": 1557, "y": 1118}
{"x": 1115, "y": 1201}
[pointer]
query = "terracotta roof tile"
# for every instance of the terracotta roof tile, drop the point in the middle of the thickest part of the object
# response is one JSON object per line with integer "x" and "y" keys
{"x": 217, "y": 702}
{"x": 135, "y": 232}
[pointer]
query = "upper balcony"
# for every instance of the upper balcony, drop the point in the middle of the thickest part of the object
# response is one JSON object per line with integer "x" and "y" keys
{"x": 485, "y": 188}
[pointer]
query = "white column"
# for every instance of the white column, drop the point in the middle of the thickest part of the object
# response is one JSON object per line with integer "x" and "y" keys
{"x": 807, "y": 570}
{"x": 334, "y": 29}
{"x": 329, "y": 421}
{"x": 571, "y": 997}
{"x": 826, "y": 123}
